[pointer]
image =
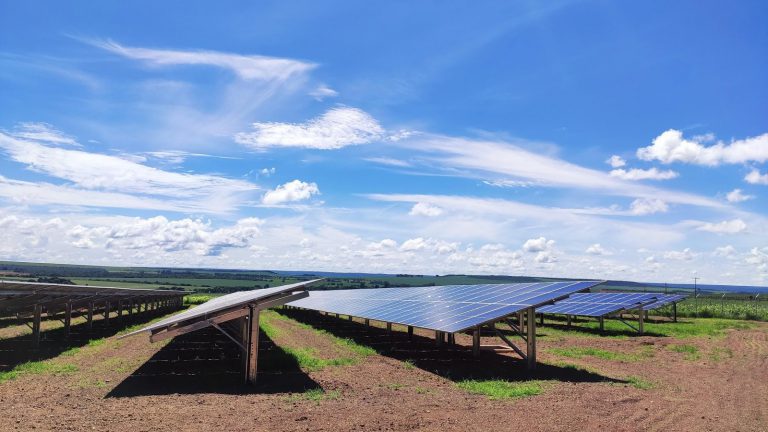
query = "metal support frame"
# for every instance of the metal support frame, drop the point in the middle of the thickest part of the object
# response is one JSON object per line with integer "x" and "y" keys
{"x": 410, "y": 333}
{"x": 476, "y": 341}
{"x": 36, "y": 325}
{"x": 674, "y": 311}
{"x": 438, "y": 338}
{"x": 252, "y": 345}
{"x": 531, "y": 340}
{"x": 90, "y": 316}
{"x": 601, "y": 320}
{"x": 106, "y": 313}
{"x": 640, "y": 320}
{"x": 67, "y": 318}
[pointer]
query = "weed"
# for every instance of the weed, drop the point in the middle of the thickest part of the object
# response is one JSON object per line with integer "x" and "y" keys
{"x": 581, "y": 352}
{"x": 691, "y": 352}
{"x": 640, "y": 383}
{"x": 408, "y": 364}
{"x": 395, "y": 386}
{"x": 308, "y": 361}
{"x": 315, "y": 395}
{"x": 501, "y": 389}
{"x": 719, "y": 354}
{"x": 38, "y": 368}
{"x": 422, "y": 390}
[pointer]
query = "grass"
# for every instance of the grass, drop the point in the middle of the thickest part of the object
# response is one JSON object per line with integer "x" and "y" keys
{"x": 640, "y": 383}
{"x": 719, "y": 354}
{"x": 691, "y": 352}
{"x": 308, "y": 361}
{"x": 712, "y": 327}
{"x": 315, "y": 395}
{"x": 408, "y": 364}
{"x": 501, "y": 389}
{"x": 581, "y": 352}
{"x": 38, "y": 368}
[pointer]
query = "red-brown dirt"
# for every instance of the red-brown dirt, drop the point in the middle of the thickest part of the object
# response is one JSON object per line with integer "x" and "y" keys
{"x": 193, "y": 383}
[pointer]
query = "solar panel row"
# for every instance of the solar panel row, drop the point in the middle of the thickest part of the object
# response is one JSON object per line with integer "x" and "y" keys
{"x": 602, "y": 304}
{"x": 451, "y": 308}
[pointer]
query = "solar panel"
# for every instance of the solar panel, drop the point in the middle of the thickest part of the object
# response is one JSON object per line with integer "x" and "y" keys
{"x": 665, "y": 299}
{"x": 599, "y": 304}
{"x": 219, "y": 304}
{"x": 450, "y": 308}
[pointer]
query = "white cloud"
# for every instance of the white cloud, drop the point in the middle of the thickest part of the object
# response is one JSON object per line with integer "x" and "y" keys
{"x": 247, "y": 67}
{"x": 724, "y": 251}
{"x": 487, "y": 160}
{"x": 96, "y": 171}
{"x": 737, "y": 195}
{"x": 597, "y": 249}
{"x": 295, "y": 190}
{"x": 337, "y": 128}
{"x": 413, "y": 244}
{"x": 684, "y": 255}
{"x": 322, "y": 92}
{"x": 43, "y": 132}
{"x": 725, "y": 227}
{"x": 671, "y": 147}
{"x": 159, "y": 233}
{"x": 389, "y": 161}
{"x": 267, "y": 172}
{"x": 540, "y": 244}
{"x": 754, "y": 177}
{"x": 616, "y": 161}
{"x": 641, "y": 174}
{"x": 545, "y": 257}
{"x": 646, "y": 206}
{"x": 425, "y": 209}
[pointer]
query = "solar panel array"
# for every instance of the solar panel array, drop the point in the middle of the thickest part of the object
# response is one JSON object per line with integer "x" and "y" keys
{"x": 224, "y": 302}
{"x": 665, "y": 299}
{"x": 449, "y": 308}
{"x": 18, "y": 295}
{"x": 599, "y": 304}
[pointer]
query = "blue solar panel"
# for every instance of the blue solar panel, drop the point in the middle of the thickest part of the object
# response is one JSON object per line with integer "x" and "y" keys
{"x": 599, "y": 304}
{"x": 449, "y": 308}
{"x": 665, "y": 299}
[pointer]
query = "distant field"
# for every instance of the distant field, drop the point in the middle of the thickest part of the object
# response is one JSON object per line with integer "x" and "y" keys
{"x": 192, "y": 282}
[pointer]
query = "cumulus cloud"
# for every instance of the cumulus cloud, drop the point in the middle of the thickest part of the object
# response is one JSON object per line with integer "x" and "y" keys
{"x": 646, "y": 206}
{"x": 616, "y": 161}
{"x": 725, "y": 227}
{"x": 545, "y": 257}
{"x": 641, "y": 174}
{"x": 247, "y": 67}
{"x": 683, "y": 255}
{"x": 425, "y": 209}
{"x": 724, "y": 251}
{"x": 737, "y": 195}
{"x": 295, "y": 190}
{"x": 413, "y": 244}
{"x": 337, "y": 128}
{"x": 267, "y": 172}
{"x": 597, "y": 249}
{"x": 754, "y": 177}
{"x": 671, "y": 147}
{"x": 159, "y": 233}
{"x": 540, "y": 244}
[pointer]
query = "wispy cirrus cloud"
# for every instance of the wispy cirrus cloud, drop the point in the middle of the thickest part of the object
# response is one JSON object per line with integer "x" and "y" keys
{"x": 643, "y": 174}
{"x": 247, "y": 67}
{"x": 114, "y": 178}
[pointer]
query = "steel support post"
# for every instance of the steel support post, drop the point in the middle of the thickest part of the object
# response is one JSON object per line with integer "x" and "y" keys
{"x": 119, "y": 309}
{"x": 531, "y": 352}
{"x": 90, "y": 316}
{"x": 410, "y": 333}
{"x": 541, "y": 322}
{"x": 602, "y": 323}
{"x": 252, "y": 349}
{"x": 438, "y": 338}
{"x": 674, "y": 312}
{"x": 640, "y": 321}
{"x": 389, "y": 329}
{"x": 67, "y": 318}
{"x": 568, "y": 320}
{"x": 476, "y": 341}
{"x": 130, "y": 309}
{"x": 36, "y": 325}
{"x": 367, "y": 322}
{"x": 107, "y": 311}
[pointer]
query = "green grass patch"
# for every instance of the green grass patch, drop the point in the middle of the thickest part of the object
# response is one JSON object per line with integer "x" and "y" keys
{"x": 693, "y": 327}
{"x": 640, "y": 383}
{"x": 308, "y": 361}
{"x": 346, "y": 343}
{"x": 691, "y": 352}
{"x": 719, "y": 354}
{"x": 38, "y": 368}
{"x": 408, "y": 364}
{"x": 581, "y": 352}
{"x": 395, "y": 386}
{"x": 315, "y": 395}
{"x": 501, "y": 389}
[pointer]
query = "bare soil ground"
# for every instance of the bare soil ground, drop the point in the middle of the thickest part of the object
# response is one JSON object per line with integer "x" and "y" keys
{"x": 193, "y": 383}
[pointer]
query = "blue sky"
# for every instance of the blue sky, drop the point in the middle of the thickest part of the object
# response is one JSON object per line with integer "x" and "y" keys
{"x": 581, "y": 138}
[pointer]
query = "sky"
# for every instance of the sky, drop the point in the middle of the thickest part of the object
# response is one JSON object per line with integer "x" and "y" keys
{"x": 585, "y": 139}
